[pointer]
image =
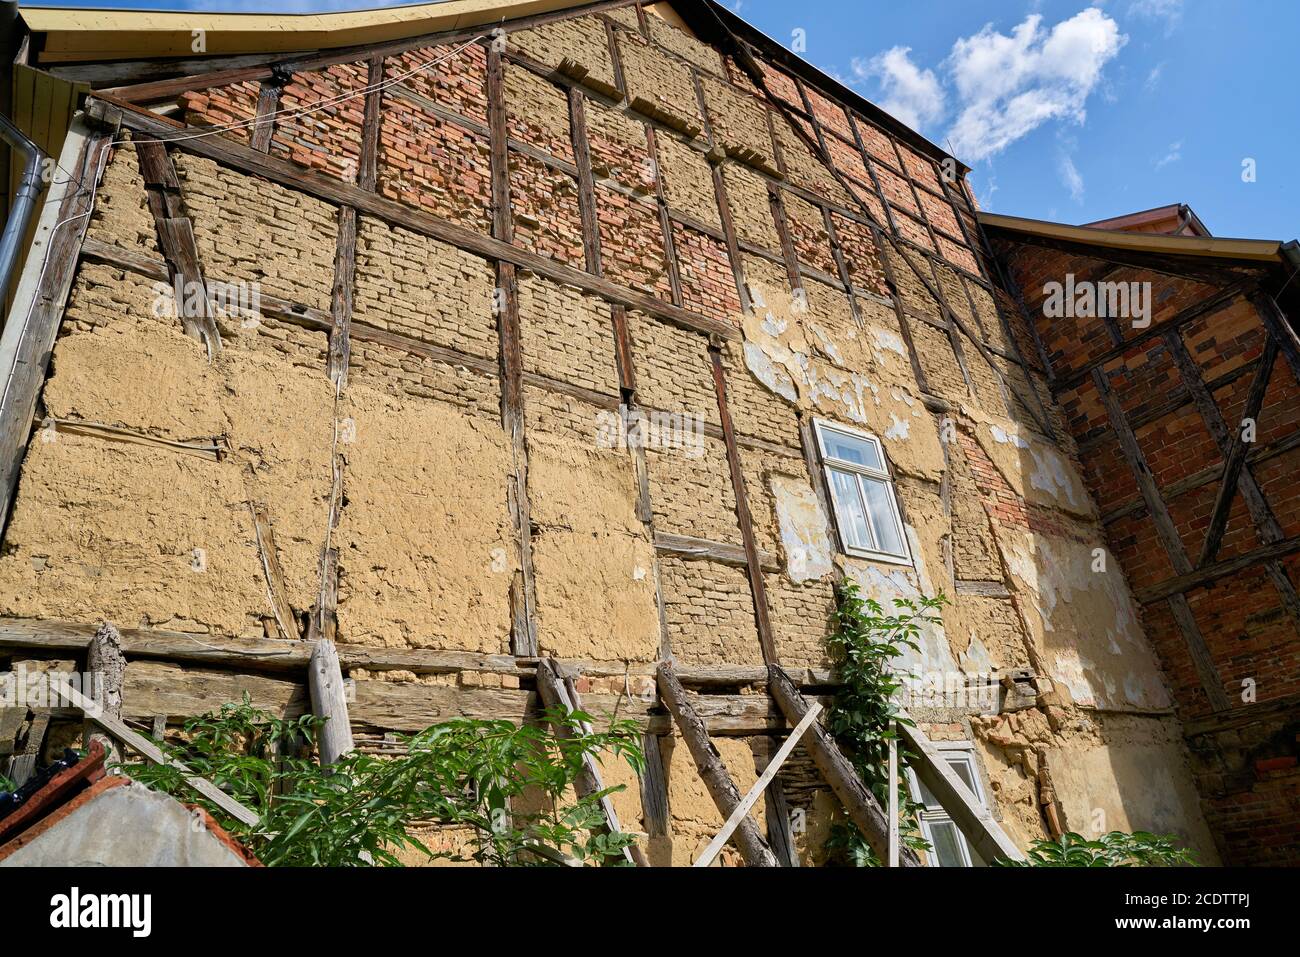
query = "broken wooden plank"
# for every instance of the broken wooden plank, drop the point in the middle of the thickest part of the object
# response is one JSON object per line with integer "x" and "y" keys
{"x": 107, "y": 665}
{"x": 277, "y": 592}
{"x": 151, "y": 751}
{"x": 329, "y": 702}
{"x": 862, "y": 807}
{"x": 23, "y": 765}
{"x": 764, "y": 779}
{"x": 713, "y": 772}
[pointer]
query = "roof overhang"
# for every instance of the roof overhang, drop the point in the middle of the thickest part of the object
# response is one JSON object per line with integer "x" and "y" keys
{"x": 1247, "y": 250}
{"x": 72, "y": 35}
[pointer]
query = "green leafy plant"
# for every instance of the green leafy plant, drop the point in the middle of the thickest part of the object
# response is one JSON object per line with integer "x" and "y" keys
{"x": 864, "y": 643}
{"x": 1116, "y": 849}
{"x": 476, "y": 775}
{"x": 6, "y": 784}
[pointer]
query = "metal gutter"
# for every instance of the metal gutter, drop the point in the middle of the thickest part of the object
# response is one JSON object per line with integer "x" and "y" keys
{"x": 24, "y": 202}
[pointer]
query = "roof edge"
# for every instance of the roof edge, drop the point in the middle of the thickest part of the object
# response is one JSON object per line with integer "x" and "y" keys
{"x": 1256, "y": 250}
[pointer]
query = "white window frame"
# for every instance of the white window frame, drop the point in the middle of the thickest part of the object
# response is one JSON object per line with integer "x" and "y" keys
{"x": 831, "y": 464}
{"x": 952, "y": 752}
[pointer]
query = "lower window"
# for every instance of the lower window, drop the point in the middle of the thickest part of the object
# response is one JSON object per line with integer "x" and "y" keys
{"x": 949, "y": 847}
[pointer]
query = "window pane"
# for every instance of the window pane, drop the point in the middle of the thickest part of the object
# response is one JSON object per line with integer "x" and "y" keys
{"x": 961, "y": 765}
{"x": 850, "y": 449}
{"x": 948, "y": 844}
{"x": 848, "y": 509}
{"x": 882, "y": 516}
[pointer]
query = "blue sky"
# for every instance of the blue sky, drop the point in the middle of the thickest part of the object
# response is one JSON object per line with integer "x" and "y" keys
{"x": 1066, "y": 110}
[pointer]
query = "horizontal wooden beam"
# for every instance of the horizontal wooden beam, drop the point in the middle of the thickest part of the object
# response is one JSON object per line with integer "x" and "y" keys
{"x": 686, "y": 546}
{"x": 278, "y": 656}
{"x": 1209, "y": 574}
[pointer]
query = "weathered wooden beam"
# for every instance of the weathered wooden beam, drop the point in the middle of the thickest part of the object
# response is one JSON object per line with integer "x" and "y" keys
{"x": 268, "y": 104}
{"x": 368, "y": 168}
{"x": 177, "y": 242}
{"x": 279, "y": 657}
{"x": 1232, "y": 446}
{"x": 977, "y": 825}
{"x": 145, "y": 747}
{"x": 862, "y": 807}
{"x": 1196, "y": 578}
{"x": 586, "y": 181}
{"x": 665, "y": 218}
{"x": 345, "y": 269}
{"x": 789, "y": 255}
{"x": 1279, "y": 328}
{"x": 751, "y": 797}
{"x": 729, "y": 230}
{"x": 57, "y": 250}
{"x": 1221, "y": 300}
{"x": 1203, "y": 477}
{"x": 329, "y": 702}
{"x": 713, "y": 772}
{"x": 896, "y": 299}
{"x": 1197, "y": 648}
{"x": 555, "y": 695}
{"x": 654, "y": 788}
{"x": 276, "y": 591}
{"x": 687, "y": 546}
{"x": 753, "y": 561}
{"x": 338, "y": 192}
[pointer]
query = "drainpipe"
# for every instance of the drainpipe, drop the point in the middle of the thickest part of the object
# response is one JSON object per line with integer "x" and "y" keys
{"x": 24, "y": 206}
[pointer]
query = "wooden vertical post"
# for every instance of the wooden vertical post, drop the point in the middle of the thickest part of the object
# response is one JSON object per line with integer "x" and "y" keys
{"x": 862, "y": 807}
{"x": 753, "y": 562}
{"x": 107, "y": 668}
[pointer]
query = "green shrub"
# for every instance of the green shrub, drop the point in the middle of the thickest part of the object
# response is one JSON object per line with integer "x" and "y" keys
{"x": 363, "y": 809}
{"x": 1116, "y": 849}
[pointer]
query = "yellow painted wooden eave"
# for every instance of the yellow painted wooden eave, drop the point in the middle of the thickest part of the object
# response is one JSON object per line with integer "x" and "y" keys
{"x": 94, "y": 35}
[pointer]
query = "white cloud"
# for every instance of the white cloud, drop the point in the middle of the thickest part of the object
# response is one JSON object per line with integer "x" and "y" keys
{"x": 1153, "y": 78}
{"x": 911, "y": 94}
{"x": 1170, "y": 11}
{"x": 1071, "y": 178}
{"x": 1173, "y": 155}
{"x": 1011, "y": 85}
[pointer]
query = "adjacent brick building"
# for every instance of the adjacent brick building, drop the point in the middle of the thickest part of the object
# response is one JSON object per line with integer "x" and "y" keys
{"x": 616, "y": 336}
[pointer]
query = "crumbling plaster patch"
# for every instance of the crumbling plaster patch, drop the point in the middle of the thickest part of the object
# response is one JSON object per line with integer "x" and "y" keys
{"x": 790, "y": 349}
{"x": 1037, "y": 471}
{"x": 1083, "y": 621}
{"x": 805, "y": 531}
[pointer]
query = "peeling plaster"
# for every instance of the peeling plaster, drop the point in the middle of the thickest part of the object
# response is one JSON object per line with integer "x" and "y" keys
{"x": 805, "y": 531}
{"x": 1033, "y": 468}
{"x": 1084, "y": 622}
{"x": 800, "y": 359}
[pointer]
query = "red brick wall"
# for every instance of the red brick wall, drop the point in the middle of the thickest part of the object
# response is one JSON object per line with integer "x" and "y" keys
{"x": 1252, "y": 638}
